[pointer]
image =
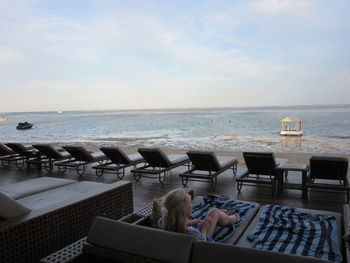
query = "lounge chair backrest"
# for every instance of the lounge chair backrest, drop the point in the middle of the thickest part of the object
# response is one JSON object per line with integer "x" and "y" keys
{"x": 260, "y": 163}
{"x": 325, "y": 167}
{"x": 79, "y": 153}
{"x": 145, "y": 242}
{"x": 48, "y": 151}
{"x": 18, "y": 148}
{"x": 155, "y": 157}
{"x": 204, "y": 161}
{"x": 116, "y": 155}
{"x": 4, "y": 150}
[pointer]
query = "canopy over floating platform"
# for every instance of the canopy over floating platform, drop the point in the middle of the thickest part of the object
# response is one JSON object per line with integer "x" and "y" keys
{"x": 291, "y": 126}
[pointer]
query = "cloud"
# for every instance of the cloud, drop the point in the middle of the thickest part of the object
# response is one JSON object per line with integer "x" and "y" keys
{"x": 145, "y": 52}
{"x": 9, "y": 55}
{"x": 281, "y": 6}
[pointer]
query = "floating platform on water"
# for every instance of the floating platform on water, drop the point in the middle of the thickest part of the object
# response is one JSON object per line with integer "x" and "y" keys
{"x": 291, "y": 126}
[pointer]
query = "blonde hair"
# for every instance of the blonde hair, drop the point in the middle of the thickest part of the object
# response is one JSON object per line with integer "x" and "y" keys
{"x": 173, "y": 214}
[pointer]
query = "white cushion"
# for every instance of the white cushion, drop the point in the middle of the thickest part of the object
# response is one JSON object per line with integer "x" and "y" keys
{"x": 63, "y": 194}
{"x": 33, "y": 186}
{"x": 10, "y": 208}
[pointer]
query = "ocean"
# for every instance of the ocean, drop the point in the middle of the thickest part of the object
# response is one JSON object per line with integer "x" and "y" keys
{"x": 326, "y": 128}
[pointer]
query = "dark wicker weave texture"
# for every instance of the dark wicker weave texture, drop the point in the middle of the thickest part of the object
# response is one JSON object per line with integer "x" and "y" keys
{"x": 32, "y": 239}
{"x": 73, "y": 252}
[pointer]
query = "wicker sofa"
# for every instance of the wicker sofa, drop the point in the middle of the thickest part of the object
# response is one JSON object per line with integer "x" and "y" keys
{"x": 130, "y": 239}
{"x": 60, "y": 216}
{"x": 116, "y": 241}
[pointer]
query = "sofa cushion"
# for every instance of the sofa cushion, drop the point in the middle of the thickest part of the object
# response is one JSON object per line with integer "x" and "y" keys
{"x": 33, "y": 186}
{"x": 141, "y": 241}
{"x": 10, "y": 208}
{"x": 244, "y": 242}
{"x": 63, "y": 194}
{"x": 205, "y": 252}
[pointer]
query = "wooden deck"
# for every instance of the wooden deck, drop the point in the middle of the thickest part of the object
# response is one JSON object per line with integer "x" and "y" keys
{"x": 146, "y": 189}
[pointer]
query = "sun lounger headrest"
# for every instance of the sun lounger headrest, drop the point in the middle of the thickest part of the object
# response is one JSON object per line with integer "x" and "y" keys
{"x": 204, "y": 160}
{"x": 17, "y": 147}
{"x": 155, "y": 157}
{"x": 4, "y": 149}
{"x": 328, "y": 167}
{"x": 47, "y": 150}
{"x": 116, "y": 155}
{"x": 79, "y": 153}
{"x": 260, "y": 162}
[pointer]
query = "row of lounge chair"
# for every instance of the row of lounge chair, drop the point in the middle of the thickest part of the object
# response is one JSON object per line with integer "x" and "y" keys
{"x": 262, "y": 168}
{"x": 205, "y": 165}
{"x": 324, "y": 173}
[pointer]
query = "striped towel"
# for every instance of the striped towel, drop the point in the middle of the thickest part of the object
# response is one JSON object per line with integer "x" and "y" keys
{"x": 222, "y": 202}
{"x": 288, "y": 230}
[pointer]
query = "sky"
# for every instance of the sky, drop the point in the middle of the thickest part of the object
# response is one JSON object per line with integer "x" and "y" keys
{"x": 110, "y": 54}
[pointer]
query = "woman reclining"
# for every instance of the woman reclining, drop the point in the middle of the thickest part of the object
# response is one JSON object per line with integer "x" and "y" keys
{"x": 178, "y": 209}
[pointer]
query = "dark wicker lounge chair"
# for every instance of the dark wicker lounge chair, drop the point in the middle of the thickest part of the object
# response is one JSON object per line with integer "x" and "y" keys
{"x": 25, "y": 154}
{"x": 81, "y": 158}
{"x": 158, "y": 163}
{"x": 117, "y": 160}
{"x": 6, "y": 155}
{"x": 5, "y": 151}
{"x": 328, "y": 173}
{"x": 262, "y": 169}
{"x": 206, "y": 166}
{"x": 49, "y": 156}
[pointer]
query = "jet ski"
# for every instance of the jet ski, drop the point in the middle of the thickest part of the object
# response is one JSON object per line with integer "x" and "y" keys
{"x": 24, "y": 126}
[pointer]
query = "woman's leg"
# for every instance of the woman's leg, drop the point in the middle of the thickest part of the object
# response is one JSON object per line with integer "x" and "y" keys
{"x": 217, "y": 217}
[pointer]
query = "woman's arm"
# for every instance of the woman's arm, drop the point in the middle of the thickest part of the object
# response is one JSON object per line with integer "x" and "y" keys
{"x": 193, "y": 222}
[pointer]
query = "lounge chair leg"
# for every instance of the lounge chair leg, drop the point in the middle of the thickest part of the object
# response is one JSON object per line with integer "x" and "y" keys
{"x": 162, "y": 178}
{"x": 137, "y": 176}
{"x": 19, "y": 163}
{"x": 62, "y": 169}
{"x": 81, "y": 171}
{"x": 234, "y": 169}
{"x": 213, "y": 182}
{"x": 184, "y": 180}
{"x": 239, "y": 186}
{"x": 48, "y": 166}
{"x": 122, "y": 174}
{"x": 5, "y": 163}
{"x": 99, "y": 172}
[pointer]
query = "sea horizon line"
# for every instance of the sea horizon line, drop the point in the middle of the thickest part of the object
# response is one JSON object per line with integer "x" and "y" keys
{"x": 295, "y": 106}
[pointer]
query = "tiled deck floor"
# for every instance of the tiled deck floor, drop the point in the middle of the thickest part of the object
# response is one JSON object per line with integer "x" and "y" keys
{"x": 146, "y": 189}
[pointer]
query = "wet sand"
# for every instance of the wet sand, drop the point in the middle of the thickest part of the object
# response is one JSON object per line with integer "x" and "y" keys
{"x": 293, "y": 157}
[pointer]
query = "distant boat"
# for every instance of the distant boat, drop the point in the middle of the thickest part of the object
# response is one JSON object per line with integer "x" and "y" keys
{"x": 59, "y": 111}
{"x": 24, "y": 126}
{"x": 3, "y": 119}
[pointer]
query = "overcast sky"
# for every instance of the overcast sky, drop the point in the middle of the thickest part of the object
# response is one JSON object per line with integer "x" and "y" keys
{"x": 106, "y": 54}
